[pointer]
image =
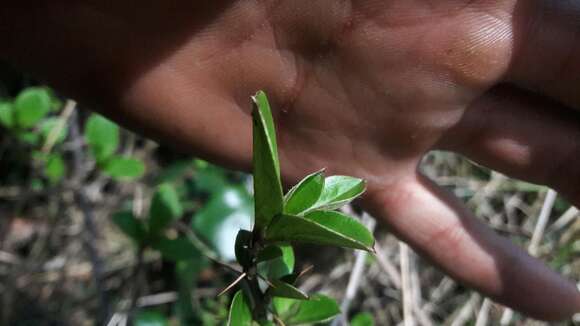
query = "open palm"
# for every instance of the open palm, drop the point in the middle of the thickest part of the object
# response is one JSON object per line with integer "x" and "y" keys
{"x": 363, "y": 88}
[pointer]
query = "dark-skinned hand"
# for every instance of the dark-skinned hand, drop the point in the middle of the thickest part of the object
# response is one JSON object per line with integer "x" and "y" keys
{"x": 363, "y": 88}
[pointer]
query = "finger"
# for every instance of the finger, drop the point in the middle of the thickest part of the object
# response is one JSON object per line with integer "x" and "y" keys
{"x": 439, "y": 227}
{"x": 546, "y": 54}
{"x": 524, "y": 136}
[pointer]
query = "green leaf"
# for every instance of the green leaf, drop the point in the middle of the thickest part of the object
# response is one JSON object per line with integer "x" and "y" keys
{"x": 176, "y": 249}
{"x": 304, "y": 194}
{"x": 102, "y": 136}
{"x": 229, "y": 209}
{"x": 323, "y": 228}
{"x": 338, "y": 191}
{"x": 48, "y": 125}
{"x": 150, "y": 318}
{"x": 132, "y": 227}
{"x": 278, "y": 267}
{"x": 240, "y": 313}
{"x": 124, "y": 168}
{"x": 267, "y": 185}
{"x": 269, "y": 253}
{"x": 285, "y": 290}
{"x": 319, "y": 308}
{"x": 6, "y": 115}
{"x": 242, "y": 248}
{"x": 54, "y": 168}
{"x": 363, "y": 319}
{"x": 165, "y": 208}
{"x": 30, "y": 106}
{"x": 28, "y": 137}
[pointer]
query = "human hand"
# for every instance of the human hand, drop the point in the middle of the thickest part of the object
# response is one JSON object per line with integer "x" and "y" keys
{"x": 363, "y": 88}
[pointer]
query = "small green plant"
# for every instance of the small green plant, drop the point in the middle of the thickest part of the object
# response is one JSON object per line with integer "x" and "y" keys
{"x": 102, "y": 136}
{"x": 305, "y": 214}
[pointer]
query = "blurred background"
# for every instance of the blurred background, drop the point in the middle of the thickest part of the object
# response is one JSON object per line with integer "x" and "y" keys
{"x": 65, "y": 173}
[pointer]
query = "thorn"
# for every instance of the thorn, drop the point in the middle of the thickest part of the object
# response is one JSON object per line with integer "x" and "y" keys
{"x": 306, "y": 270}
{"x": 229, "y": 287}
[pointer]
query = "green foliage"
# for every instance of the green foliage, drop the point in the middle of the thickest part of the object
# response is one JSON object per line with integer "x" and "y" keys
{"x": 54, "y": 168}
{"x": 124, "y": 168}
{"x": 30, "y": 106}
{"x": 150, "y": 318}
{"x": 176, "y": 249}
{"x": 6, "y": 115}
{"x": 304, "y": 215}
{"x": 362, "y": 319}
{"x": 267, "y": 185}
{"x": 133, "y": 228}
{"x": 165, "y": 208}
{"x": 240, "y": 313}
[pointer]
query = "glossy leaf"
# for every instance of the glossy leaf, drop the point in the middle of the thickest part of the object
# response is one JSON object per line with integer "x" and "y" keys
{"x": 338, "y": 191}
{"x": 323, "y": 228}
{"x": 48, "y": 125}
{"x": 132, "y": 227}
{"x": 54, "y": 168}
{"x": 363, "y": 319}
{"x": 124, "y": 168}
{"x": 240, "y": 313}
{"x": 165, "y": 208}
{"x": 285, "y": 290}
{"x": 242, "y": 248}
{"x": 102, "y": 136}
{"x": 304, "y": 194}
{"x": 278, "y": 267}
{"x": 177, "y": 249}
{"x": 267, "y": 185}
{"x": 30, "y": 106}
{"x": 269, "y": 253}
{"x": 6, "y": 115}
{"x": 150, "y": 318}
{"x": 295, "y": 312}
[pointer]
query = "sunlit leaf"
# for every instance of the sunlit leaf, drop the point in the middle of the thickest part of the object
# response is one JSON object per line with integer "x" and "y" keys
{"x": 165, "y": 208}
{"x": 102, "y": 136}
{"x": 338, "y": 191}
{"x": 124, "y": 168}
{"x": 240, "y": 313}
{"x": 267, "y": 185}
{"x": 323, "y": 228}
{"x": 278, "y": 267}
{"x": 304, "y": 194}
{"x": 30, "y": 106}
{"x": 363, "y": 319}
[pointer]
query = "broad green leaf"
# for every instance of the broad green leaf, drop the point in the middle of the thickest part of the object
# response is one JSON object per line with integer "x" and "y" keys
{"x": 102, "y": 136}
{"x": 285, "y": 290}
{"x": 30, "y": 106}
{"x": 278, "y": 267}
{"x": 29, "y": 137}
{"x": 317, "y": 309}
{"x": 48, "y": 125}
{"x": 132, "y": 227}
{"x": 54, "y": 168}
{"x": 165, "y": 208}
{"x": 150, "y": 318}
{"x": 267, "y": 185}
{"x": 229, "y": 209}
{"x": 338, "y": 191}
{"x": 240, "y": 313}
{"x": 304, "y": 194}
{"x": 363, "y": 319}
{"x": 6, "y": 115}
{"x": 242, "y": 248}
{"x": 323, "y": 228}
{"x": 269, "y": 253}
{"x": 285, "y": 307}
{"x": 124, "y": 168}
{"x": 176, "y": 249}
